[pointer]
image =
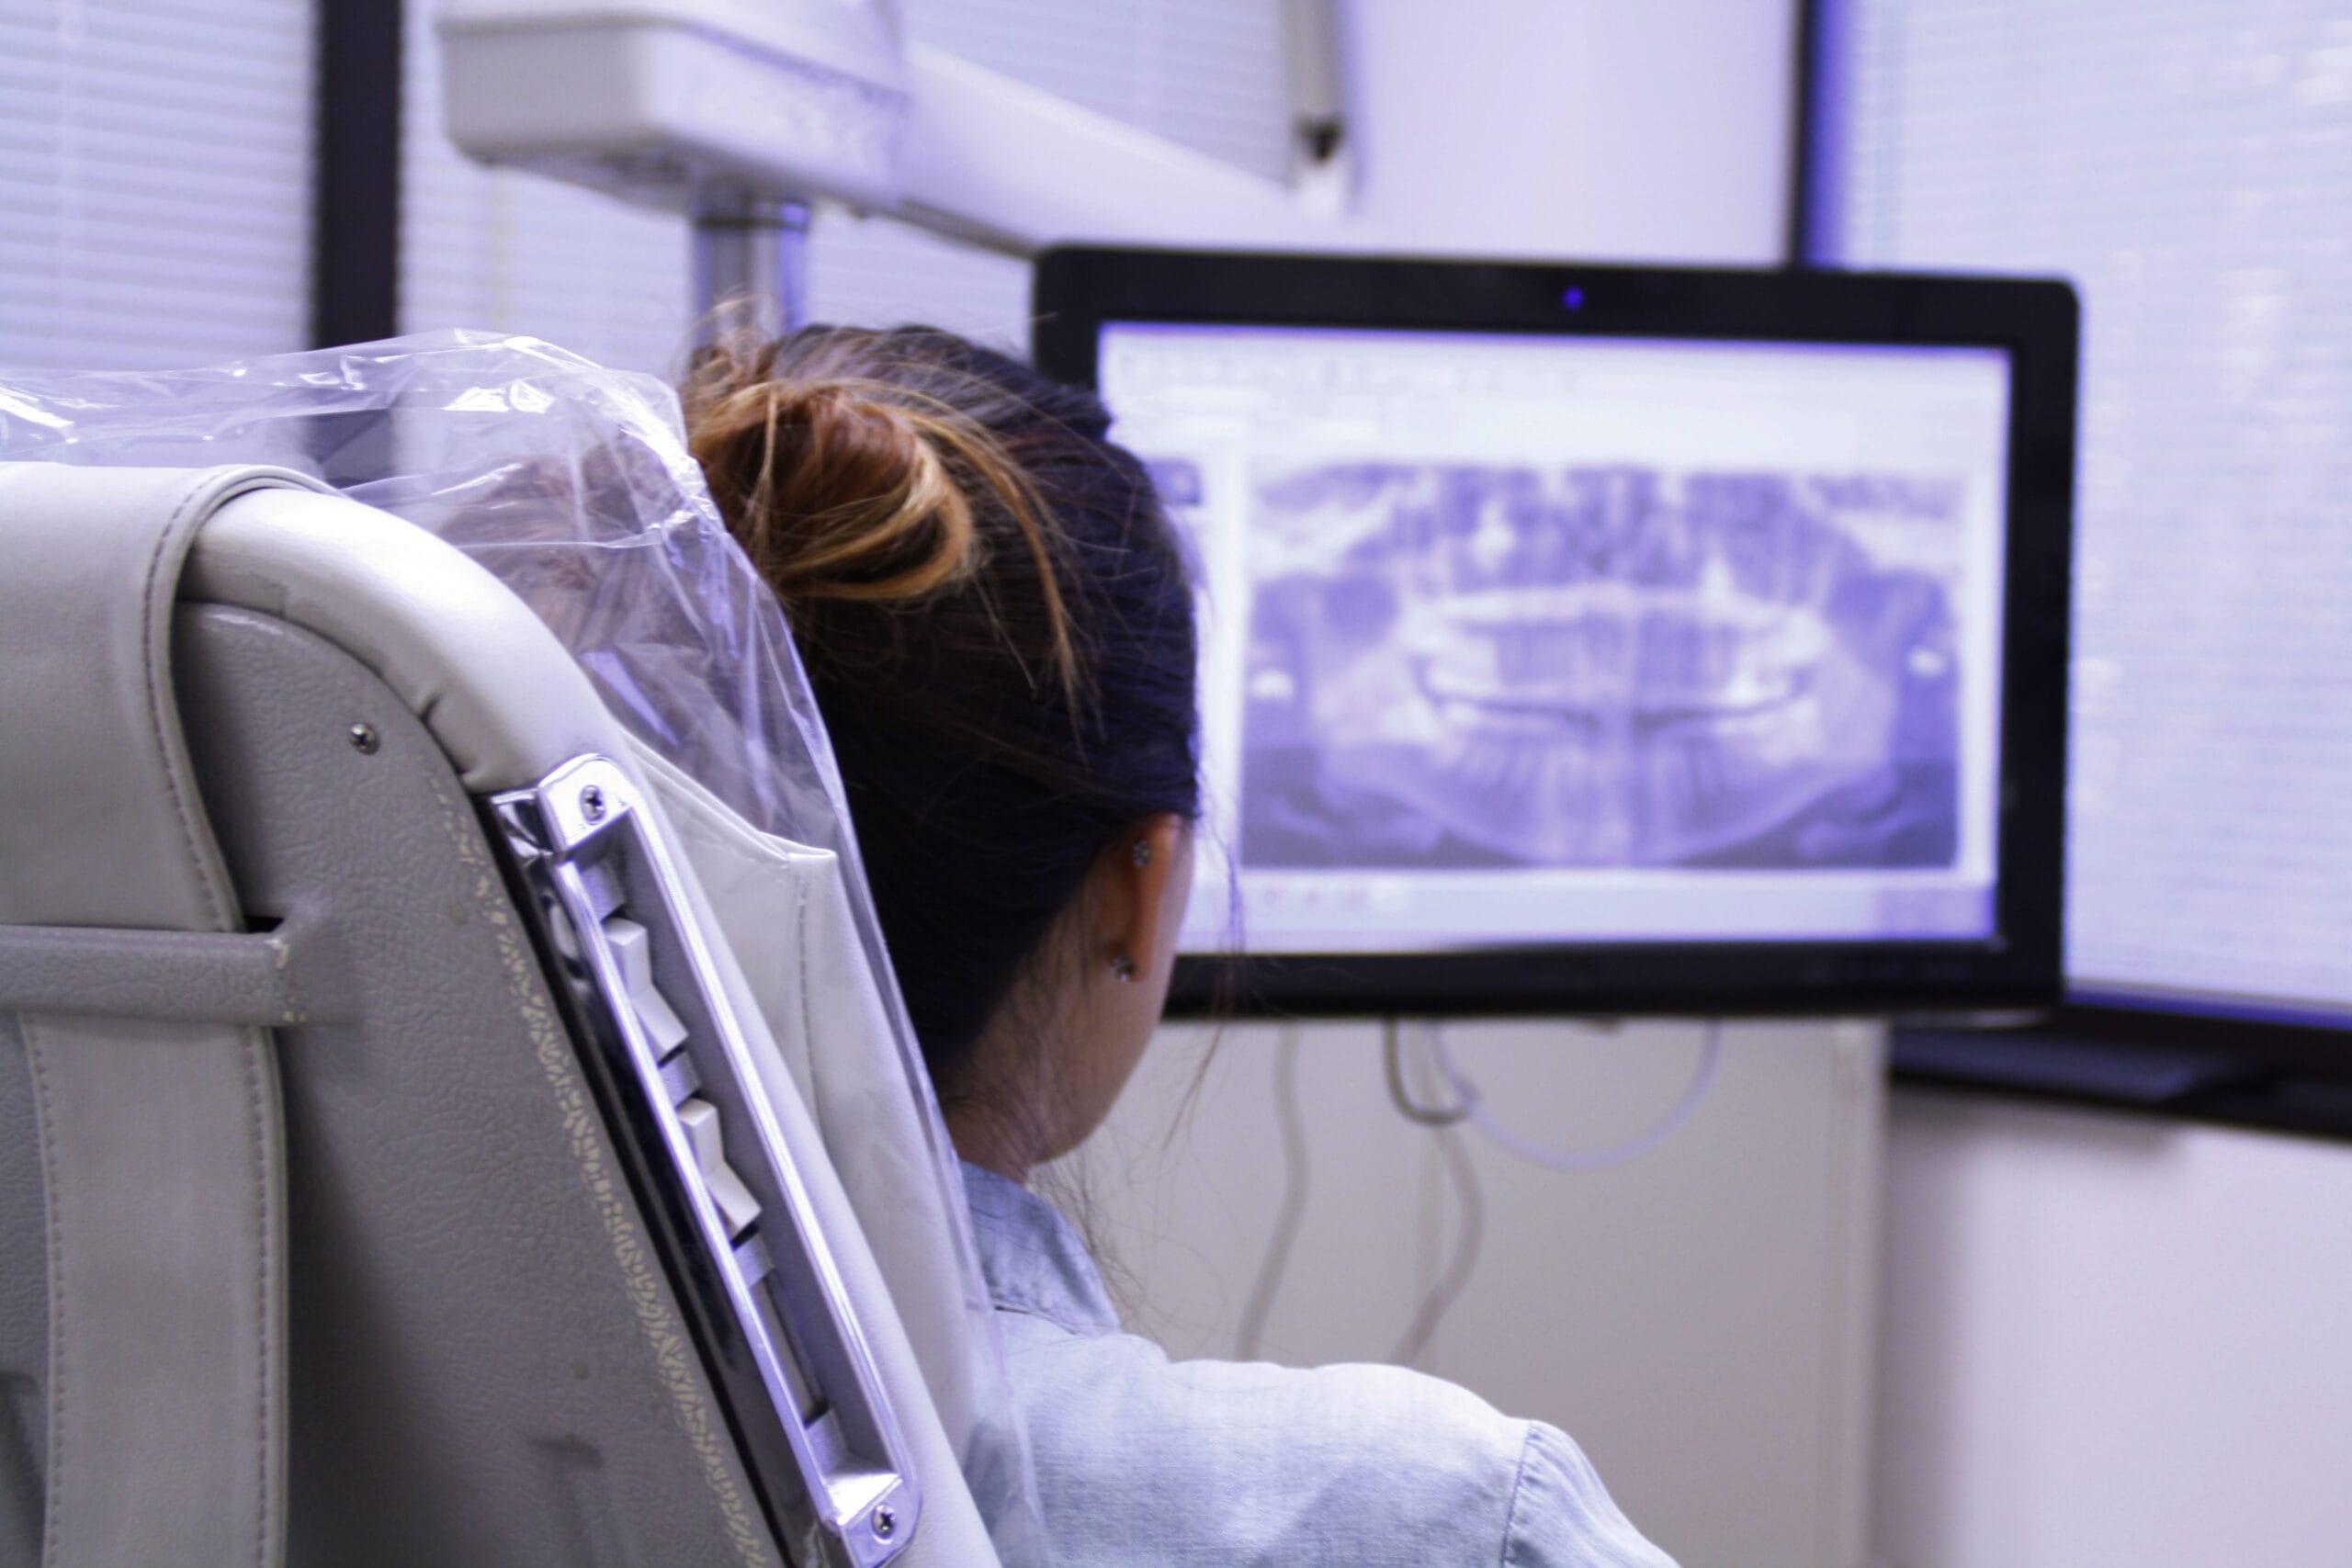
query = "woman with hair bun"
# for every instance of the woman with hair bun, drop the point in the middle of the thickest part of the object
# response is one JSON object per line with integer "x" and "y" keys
{"x": 997, "y": 621}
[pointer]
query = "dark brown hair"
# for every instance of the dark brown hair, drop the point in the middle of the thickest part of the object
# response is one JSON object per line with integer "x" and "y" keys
{"x": 995, "y": 618}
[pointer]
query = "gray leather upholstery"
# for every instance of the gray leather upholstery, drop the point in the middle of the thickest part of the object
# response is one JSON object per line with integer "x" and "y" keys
{"x": 487, "y": 1364}
{"x": 94, "y": 560}
{"x": 24, "y": 1307}
{"x": 210, "y": 978}
{"x": 506, "y": 704}
{"x": 158, "y": 1141}
{"x": 503, "y": 697}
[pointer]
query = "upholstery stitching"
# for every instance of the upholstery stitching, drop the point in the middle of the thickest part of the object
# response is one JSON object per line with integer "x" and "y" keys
{"x": 150, "y": 616}
{"x": 58, "y": 1341}
{"x": 51, "y": 1533}
{"x": 253, "y": 1061}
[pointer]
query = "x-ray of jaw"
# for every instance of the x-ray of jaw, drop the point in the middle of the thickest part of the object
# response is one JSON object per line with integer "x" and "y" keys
{"x": 1456, "y": 665}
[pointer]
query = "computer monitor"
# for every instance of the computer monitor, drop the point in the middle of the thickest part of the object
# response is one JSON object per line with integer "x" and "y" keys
{"x": 1605, "y": 640}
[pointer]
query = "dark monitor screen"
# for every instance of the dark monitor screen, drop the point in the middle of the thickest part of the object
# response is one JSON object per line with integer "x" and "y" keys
{"x": 1606, "y": 657}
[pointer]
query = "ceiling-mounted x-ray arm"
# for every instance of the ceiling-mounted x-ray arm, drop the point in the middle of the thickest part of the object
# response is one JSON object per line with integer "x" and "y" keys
{"x": 744, "y": 113}
{"x": 1003, "y": 163}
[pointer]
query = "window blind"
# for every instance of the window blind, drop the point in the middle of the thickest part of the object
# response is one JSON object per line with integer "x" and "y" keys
{"x": 154, "y": 181}
{"x": 510, "y": 252}
{"x": 2188, "y": 163}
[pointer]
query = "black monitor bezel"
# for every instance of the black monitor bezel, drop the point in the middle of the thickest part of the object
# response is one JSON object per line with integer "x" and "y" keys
{"x": 1077, "y": 291}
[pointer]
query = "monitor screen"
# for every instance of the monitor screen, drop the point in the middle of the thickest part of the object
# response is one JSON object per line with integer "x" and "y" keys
{"x": 1536, "y": 641}
{"x": 1510, "y": 639}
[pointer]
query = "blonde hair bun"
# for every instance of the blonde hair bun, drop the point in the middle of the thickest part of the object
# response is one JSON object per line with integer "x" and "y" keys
{"x": 838, "y": 488}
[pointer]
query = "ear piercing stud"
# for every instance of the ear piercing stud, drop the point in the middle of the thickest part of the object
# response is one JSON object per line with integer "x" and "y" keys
{"x": 1122, "y": 965}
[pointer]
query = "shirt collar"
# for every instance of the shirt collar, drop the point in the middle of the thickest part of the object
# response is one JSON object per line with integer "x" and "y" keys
{"x": 1032, "y": 1259}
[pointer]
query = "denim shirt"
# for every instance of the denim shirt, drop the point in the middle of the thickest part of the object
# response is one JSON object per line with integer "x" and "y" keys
{"x": 1143, "y": 1462}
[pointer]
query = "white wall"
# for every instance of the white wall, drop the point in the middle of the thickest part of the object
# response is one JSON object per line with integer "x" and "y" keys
{"x": 1697, "y": 1318}
{"x": 2109, "y": 1339}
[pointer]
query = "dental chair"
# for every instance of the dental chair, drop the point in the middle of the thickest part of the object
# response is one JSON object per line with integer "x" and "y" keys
{"x": 432, "y": 1127}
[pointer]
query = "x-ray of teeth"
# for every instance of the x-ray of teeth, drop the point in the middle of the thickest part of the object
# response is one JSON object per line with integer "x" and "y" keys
{"x": 1456, "y": 665}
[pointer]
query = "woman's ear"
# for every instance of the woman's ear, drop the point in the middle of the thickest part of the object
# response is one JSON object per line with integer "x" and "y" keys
{"x": 1144, "y": 880}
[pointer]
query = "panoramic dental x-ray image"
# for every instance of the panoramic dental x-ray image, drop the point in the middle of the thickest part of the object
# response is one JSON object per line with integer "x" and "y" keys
{"x": 1454, "y": 665}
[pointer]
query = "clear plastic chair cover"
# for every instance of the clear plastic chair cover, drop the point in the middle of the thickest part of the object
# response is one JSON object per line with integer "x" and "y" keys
{"x": 572, "y": 484}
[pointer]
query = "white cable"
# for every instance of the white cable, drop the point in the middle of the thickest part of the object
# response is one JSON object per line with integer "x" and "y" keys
{"x": 1249, "y": 1338}
{"x": 1466, "y": 1092}
{"x": 1392, "y": 1050}
{"x": 1455, "y": 1152}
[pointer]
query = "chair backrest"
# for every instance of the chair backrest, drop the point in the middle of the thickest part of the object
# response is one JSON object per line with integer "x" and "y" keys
{"x": 400, "y": 1164}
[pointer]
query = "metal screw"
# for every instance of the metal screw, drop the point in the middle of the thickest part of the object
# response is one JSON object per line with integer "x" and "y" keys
{"x": 886, "y": 1524}
{"x": 365, "y": 738}
{"x": 592, "y": 804}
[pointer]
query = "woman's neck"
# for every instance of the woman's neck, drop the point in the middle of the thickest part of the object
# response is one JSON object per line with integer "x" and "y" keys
{"x": 990, "y": 1140}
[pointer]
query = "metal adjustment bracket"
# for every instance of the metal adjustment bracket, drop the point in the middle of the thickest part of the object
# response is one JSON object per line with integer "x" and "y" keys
{"x": 689, "y": 1110}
